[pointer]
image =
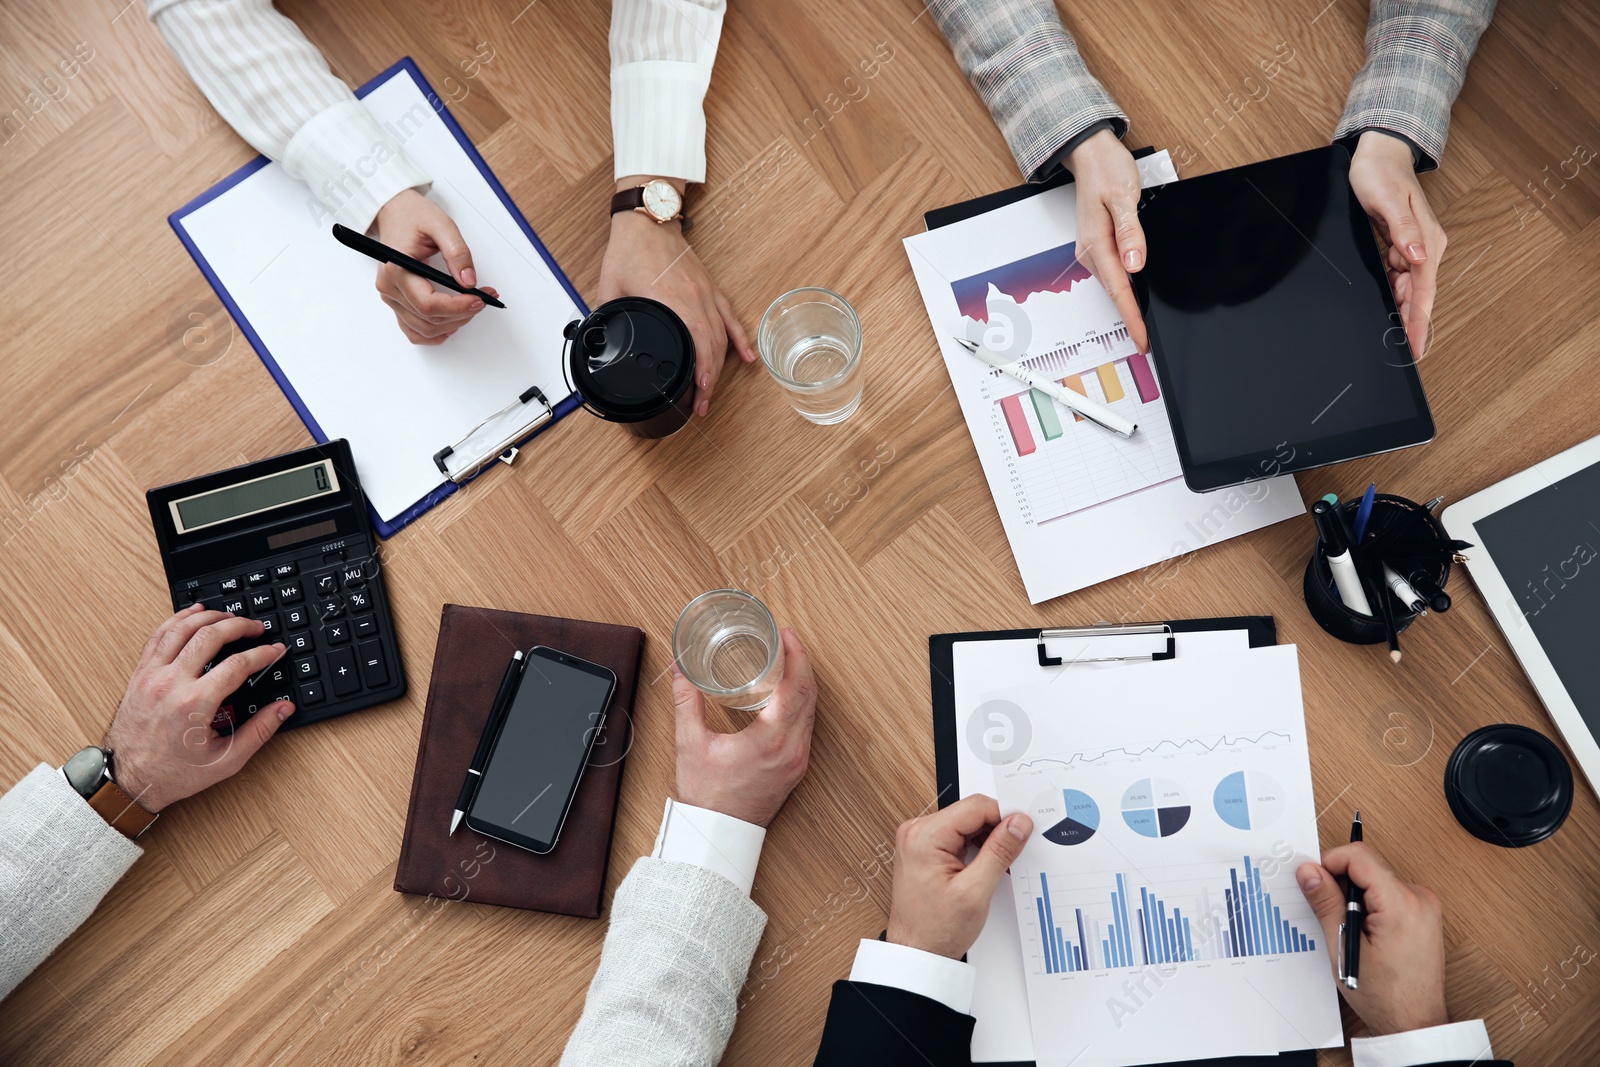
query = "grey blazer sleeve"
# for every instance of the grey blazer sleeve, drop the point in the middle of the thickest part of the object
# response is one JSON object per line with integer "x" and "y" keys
{"x": 674, "y": 960}
{"x": 57, "y": 860}
{"x": 1026, "y": 67}
{"x": 1417, "y": 53}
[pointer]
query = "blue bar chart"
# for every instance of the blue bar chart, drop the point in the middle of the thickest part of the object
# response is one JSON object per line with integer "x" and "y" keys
{"x": 1139, "y": 925}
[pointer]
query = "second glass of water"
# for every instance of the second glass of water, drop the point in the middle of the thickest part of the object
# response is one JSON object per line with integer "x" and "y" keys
{"x": 810, "y": 341}
{"x": 727, "y": 643}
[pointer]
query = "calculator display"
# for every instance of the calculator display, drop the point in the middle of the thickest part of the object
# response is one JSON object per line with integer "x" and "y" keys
{"x": 254, "y": 496}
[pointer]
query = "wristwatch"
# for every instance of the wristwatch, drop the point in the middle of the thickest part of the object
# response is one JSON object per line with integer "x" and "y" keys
{"x": 89, "y": 772}
{"x": 656, "y": 198}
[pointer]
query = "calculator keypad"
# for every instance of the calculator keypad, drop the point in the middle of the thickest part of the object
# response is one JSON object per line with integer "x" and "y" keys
{"x": 326, "y": 610}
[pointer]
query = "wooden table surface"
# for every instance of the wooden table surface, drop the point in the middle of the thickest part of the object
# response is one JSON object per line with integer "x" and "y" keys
{"x": 261, "y": 927}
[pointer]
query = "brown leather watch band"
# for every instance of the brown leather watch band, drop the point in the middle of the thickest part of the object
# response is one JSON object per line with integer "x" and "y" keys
{"x": 121, "y": 811}
{"x": 628, "y": 199}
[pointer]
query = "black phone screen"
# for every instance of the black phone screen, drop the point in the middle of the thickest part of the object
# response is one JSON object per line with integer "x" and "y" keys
{"x": 539, "y": 756}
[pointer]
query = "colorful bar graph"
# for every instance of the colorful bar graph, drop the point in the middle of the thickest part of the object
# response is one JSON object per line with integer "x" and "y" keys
{"x": 1045, "y": 408}
{"x": 1110, "y": 384}
{"x": 1075, "y": 383}
{"x": 1247, "y": 924}
{"x": 1144, "y": 379}
{"x": 1017, "y": 423}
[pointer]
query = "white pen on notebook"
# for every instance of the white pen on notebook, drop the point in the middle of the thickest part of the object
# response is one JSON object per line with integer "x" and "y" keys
{"x": 1098, "y": 414}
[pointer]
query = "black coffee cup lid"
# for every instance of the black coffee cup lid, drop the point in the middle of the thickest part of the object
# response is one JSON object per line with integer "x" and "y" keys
{"x": 631, "y": 358}
{"x": 1508, "y": 785}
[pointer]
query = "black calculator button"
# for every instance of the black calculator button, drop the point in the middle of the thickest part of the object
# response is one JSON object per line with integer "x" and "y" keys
{"x": 275, "y": 677}
{"x": 373, "y": 671}
{"x": 271, "y": 625}
{"x": 257, "y": 578}
{"x": 326, "y": 584}
{"x": 330, "y": 608}
{"x": 311, "y": 692}
{"x": 233, "y": 604}
{"x": 369, "y": 567}
{"x": 342, "y": 672}
{"x": 300, "y": 642}
{"x": 353, "y": 576}
{"x": 261, "y": 600}
{"x": 359, "y": 600}
{"x": 230, "y": 585}
{"x": 305, "y": 668}
{"x": 295, "y": 618}
{"x": 289, "y": 593}
{"x": 336, "y": 631}
{"x": 285, "y": 570}
{"x": 364, "y": 625}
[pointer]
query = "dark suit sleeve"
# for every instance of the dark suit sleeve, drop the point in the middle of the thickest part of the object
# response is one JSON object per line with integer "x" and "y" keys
{"x": 880, "y": 1026}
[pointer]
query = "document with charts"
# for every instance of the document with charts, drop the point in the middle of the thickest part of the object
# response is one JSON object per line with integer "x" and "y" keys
{"x": 1156, "y": 900}
{"x": 1079, "y": 504}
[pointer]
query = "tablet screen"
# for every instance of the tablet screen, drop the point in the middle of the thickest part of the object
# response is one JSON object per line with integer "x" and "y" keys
{"x": 1547, "y": 548}
{"x": 1272, "y": 323}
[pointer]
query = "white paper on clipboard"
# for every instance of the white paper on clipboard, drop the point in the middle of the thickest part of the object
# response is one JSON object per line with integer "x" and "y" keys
{"x": 1000, "y": 1001}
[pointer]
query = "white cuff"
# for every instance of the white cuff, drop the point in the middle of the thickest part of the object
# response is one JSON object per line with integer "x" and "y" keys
{"x": 927, "y": 974}
{"x": 1436, "y": 1044}
{"x": 658, "y": 119}
{"x": 353, "y": 164}
{"x": 712, "y": 841}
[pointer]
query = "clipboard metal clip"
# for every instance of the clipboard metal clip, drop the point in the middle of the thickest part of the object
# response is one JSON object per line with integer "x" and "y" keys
{"x": 1146, "y": 629}
{"x": 505, "y": 451}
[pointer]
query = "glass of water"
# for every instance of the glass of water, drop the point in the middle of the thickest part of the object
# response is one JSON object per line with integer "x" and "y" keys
{"x": 810, "y": 340}
{"x": 727, "y": 644}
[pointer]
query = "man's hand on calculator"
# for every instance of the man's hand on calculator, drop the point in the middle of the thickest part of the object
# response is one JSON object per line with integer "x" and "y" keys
{"x": 165, "y": 744}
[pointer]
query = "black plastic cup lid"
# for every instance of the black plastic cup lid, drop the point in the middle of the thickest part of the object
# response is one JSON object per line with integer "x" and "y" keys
{"x": 1508, "y": 785}
{"x": 631, "y": 358}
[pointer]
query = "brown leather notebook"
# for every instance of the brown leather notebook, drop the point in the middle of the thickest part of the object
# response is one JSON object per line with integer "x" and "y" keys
{"x": 475, "y": 644}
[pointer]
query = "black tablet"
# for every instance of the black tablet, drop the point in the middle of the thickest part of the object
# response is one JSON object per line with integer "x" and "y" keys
{"x": 1272, "y": 325}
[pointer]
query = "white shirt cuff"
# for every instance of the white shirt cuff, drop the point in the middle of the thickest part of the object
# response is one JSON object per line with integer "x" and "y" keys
{"x": 927, "y": 974}
{"x": 711, "y": 840}
{"x": 1467, "y": 1041}
{"x": 353, "y": 164}
{"x": 658, "y": 119}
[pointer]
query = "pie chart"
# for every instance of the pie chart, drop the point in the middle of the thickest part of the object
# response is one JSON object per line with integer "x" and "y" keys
{"x": 1069, "y": 816}
{"x": 1248, "y": 800}
{"x": 1155, "y": 807}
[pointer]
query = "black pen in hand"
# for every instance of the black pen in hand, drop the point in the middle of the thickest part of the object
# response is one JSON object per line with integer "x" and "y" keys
{"x": 384, "y": 254}
{"x": 1355, "y": 910}
{"x": 469, "y": 788}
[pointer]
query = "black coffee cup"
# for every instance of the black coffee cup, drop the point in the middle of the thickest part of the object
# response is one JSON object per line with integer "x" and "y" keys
{"x": 632, "y": 362}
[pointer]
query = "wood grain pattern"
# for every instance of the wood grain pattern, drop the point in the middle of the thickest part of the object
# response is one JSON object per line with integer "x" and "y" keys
{"x": 261, "y": 926}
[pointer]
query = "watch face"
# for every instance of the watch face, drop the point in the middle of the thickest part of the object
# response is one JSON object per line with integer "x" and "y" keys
{"x": 86, "y": 770}
{"x": 661, "y": 200}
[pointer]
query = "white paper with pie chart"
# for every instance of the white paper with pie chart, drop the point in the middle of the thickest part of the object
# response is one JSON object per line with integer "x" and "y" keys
{"x": 1155, "y": 807}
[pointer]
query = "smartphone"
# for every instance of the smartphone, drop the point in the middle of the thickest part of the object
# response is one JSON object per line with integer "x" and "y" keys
{"x": 540, "y": 750}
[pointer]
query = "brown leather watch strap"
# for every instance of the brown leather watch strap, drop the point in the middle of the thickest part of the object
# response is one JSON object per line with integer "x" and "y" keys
{"x": 121, "y": 811}
{"x": 628, "y": 199}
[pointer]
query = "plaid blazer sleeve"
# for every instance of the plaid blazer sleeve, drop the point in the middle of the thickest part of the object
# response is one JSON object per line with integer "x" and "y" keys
{"x": 1026, "y": 67}
{"x": 1417, "y": 53}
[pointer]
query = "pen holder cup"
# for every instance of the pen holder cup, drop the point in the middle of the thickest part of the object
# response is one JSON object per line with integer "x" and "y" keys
{"x": 1418, "y": 548}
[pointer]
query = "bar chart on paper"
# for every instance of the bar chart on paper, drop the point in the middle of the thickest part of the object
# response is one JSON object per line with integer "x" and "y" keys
{"x": 1114, "y": 919}
{"x": 1060, "y": 462}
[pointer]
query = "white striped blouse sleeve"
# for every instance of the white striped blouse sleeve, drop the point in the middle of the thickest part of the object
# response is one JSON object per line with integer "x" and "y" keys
{"x": 274, "y": 88}
{"x": 662, "y": 52}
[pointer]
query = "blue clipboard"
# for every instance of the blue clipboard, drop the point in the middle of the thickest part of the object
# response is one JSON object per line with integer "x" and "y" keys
{"x": 406, "y": 65}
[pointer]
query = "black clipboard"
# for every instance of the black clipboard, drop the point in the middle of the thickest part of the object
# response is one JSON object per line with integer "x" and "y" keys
{"x": 1262, "y": 631}
{"x": 978, "y": 205}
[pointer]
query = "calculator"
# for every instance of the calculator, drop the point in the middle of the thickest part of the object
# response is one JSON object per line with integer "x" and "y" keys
{"x": 287, "y": 540}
